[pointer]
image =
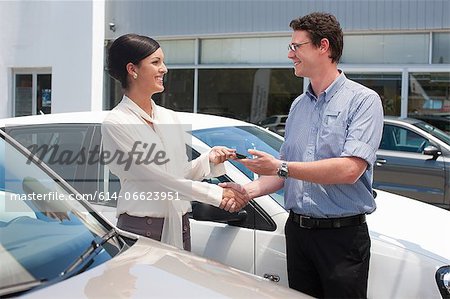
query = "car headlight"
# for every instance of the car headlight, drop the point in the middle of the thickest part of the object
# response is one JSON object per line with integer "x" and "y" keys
{"x": 443, "y": 281}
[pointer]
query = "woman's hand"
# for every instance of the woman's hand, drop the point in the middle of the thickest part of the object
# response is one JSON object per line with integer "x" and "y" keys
{"x": 234, "y": 197}
{"x": 220, "y": 154}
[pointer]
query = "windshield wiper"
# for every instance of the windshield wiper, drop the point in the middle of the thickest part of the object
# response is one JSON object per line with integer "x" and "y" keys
{"x": 90, "y": 252}
{"x": 87, "y": 255}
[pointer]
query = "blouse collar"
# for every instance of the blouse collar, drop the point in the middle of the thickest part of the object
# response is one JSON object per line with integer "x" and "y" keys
{"x": 130, "y": 104}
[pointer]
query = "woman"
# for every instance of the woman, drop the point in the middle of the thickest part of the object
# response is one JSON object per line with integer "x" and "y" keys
{"x": 150, "y": 143}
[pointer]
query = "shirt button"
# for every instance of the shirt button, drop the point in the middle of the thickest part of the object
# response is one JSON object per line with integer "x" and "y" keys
{"x": 149, "y": 221}
{"x": 148, "y": 233}
{"x": 185, "y": 228}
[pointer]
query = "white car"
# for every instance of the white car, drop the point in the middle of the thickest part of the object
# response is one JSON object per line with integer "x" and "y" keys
{"x": 52, "y": 246}
{"x": 410, "y": 254}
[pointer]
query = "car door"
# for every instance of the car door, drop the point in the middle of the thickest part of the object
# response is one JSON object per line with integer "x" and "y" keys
{"x": 270, "y": 251}
{"x": 253, "y": 243}
{"x": 403, "y": 168}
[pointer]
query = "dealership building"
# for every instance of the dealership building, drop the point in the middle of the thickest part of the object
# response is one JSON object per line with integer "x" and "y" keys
{"x": 224, "y": 57}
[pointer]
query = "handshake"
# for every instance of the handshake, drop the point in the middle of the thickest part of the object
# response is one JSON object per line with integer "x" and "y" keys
{"x": 234, "y": 197}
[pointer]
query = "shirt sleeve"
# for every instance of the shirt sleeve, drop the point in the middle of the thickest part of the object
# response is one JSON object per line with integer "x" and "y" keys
{"x": 116, "y": 138}
{"x": 365, "y": 130}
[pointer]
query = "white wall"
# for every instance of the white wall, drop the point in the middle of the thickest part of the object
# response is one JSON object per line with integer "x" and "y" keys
{"x": 66, "y": 36}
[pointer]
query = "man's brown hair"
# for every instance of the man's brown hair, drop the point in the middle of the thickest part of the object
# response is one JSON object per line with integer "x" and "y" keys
{"x": 321, "y": 25}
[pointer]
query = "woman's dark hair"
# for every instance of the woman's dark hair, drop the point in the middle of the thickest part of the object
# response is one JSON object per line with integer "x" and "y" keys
{"x": 322, "y": 25}
{"x": 125, "y": 49}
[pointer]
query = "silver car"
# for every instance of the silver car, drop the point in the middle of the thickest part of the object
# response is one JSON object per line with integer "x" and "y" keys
{"x": 414, "y": 160}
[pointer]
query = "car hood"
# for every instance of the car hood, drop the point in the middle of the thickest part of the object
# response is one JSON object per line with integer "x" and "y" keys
{"x": 153, "y": 269}
{"x": 409, "y": 223}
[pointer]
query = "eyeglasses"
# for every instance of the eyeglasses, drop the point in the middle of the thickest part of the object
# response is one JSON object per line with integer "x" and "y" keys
{"x": 293, "y": 47}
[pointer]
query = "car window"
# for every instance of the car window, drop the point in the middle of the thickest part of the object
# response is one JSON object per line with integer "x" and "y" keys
{"x": 43, "y": 227}
{"x": 397, "y": 138}
{"x": 444, "y": 137}
{"x": 59, "y": 146}
{"x": 62, "y": 147}
{"x": 243, "y": 138}
{"x": 442, "y": 122}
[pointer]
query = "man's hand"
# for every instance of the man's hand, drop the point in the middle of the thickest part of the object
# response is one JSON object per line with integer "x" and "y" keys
{"x": 235, "y": 197}
{"x": 262, "y": 163}
{"x": 220, "y": 154}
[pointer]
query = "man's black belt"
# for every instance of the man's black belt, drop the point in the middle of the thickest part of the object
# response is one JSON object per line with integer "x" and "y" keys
{"x": 309, "y": 222}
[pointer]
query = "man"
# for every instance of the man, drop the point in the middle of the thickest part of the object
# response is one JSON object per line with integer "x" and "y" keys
{"x": 326, "y": 167}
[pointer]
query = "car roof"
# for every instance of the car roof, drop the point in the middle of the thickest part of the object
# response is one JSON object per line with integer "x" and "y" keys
{"x": 398, "y": 119}
{"x": 197, "y": 120}
{"x": 437, "y": 115}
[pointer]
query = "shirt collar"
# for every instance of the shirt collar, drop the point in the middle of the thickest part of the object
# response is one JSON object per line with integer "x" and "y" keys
{"x": 138, "y": 110}
{"x": 331, "y": 90}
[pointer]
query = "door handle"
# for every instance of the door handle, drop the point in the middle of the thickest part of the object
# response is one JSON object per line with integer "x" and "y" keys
{"x": 380, "y": 162}
{"x": 272, "y": 277}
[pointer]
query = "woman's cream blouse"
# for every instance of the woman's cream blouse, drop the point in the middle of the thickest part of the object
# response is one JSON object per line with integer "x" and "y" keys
{"x": 151, "y": 162}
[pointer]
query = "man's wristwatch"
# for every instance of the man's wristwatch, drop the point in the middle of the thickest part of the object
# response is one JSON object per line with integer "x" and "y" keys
{"x": 283, "y": 171}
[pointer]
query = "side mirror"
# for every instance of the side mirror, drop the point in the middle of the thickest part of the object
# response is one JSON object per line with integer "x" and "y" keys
{"x": 431, "y": 150}
{"x": 205, "y": 212}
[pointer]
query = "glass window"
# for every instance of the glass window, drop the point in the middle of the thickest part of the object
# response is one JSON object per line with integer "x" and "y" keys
{"x": 436, "y": 132}
{"x": 32, "y": 93}
{"x": 178, "y": 90}
{"x": 178, "y": 51}
{"x": 440, "y": 121}
{"x": 245, "y": 50}
{"x": 388, "y": 86}
{"x": 429, "y": 94}
{"x": 386, "y": 48}
{"x": 44, "y": 93}
{"x": 113, "y": 92}
{"x": 441, "y": 47}
{"x": 403, "y": 140}
{"x": 23, "y": 95}
{"x": 247, "y": 94}
{"x": 59, "y": 146}
{"x": 67, "y": 150}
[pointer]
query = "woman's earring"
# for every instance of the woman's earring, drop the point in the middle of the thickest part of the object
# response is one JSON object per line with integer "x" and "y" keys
{"x": 134, "y": 76}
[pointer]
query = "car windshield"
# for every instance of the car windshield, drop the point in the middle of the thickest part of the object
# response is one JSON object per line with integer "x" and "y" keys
{"x": 243, "y": 138}
{"x": 441, "y": 135}
{"x": 44, "y": 228}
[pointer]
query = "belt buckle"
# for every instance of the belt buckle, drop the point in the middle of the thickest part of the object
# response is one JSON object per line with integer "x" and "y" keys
{"x": 300, "y": 222}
